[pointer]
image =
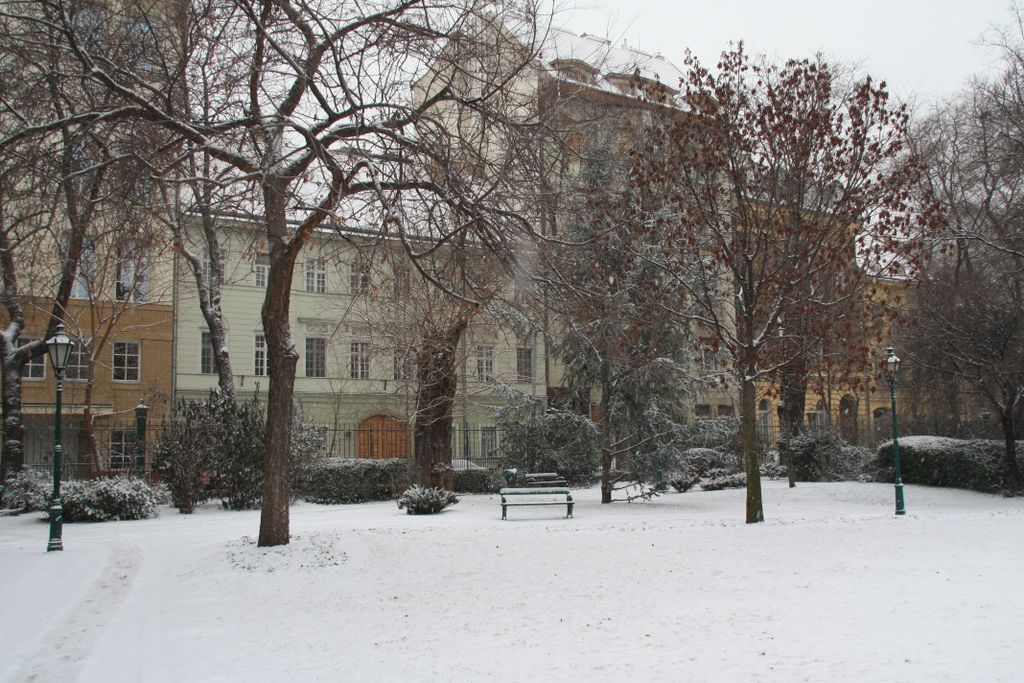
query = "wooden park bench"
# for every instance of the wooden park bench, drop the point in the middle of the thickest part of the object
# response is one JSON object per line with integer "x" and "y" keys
{"x": 544, "y": 488}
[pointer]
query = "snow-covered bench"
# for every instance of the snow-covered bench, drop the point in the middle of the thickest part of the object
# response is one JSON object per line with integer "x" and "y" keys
{"x": 545, "y": 488}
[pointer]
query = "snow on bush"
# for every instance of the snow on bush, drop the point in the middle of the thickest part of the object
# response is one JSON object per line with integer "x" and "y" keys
{"x": 538, "y": 438}
{"x": 216, "y": 447}
{"x": 348, "y": 480}
{"x": 716, "y": 480}
{"x": 682, "y": 481}
{"x": 720, "y": 435}
{"x": 477, "y": 481}
{"x": 938, "y": 461}
{"x": 418, "y": 500}
{"x": 107, "y": 499}
{"x": 28, "y": 490}
{"x": 693, "y": 464}
{"x": 91, "y": 500}
{"x": 823, "y": 455}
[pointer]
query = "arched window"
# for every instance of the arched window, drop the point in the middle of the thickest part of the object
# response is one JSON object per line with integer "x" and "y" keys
{"x": 764, "y": 419}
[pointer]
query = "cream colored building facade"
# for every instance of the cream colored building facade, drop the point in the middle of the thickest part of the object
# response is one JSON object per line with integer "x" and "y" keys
{"x": 352, "y": 322}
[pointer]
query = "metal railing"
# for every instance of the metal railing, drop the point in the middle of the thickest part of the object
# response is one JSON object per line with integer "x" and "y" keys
{"x": 473, "y": 446}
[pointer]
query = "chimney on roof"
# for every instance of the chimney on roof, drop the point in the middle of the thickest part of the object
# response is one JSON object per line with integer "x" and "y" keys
{"x": 625, "y": 45}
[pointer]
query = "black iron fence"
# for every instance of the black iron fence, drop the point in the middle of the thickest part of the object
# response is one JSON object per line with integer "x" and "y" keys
{"x": 473, "y": 445}
{"x": 115, "y": 449}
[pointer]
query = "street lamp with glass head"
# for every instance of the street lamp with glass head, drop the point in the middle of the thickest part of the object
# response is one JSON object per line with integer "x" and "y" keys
{"x": 892, "y": 368}
{"x": 59, "y": 346}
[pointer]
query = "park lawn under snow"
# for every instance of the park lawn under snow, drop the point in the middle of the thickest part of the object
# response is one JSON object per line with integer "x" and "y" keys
{"x": 831, "y": 587}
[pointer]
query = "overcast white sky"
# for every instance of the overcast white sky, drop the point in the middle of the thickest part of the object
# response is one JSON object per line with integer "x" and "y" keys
{"x": 923, "y": 48}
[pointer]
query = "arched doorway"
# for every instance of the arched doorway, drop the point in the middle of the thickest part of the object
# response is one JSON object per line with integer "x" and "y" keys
{"x": 382, "y": 436}
{"x": 848, "y": 418}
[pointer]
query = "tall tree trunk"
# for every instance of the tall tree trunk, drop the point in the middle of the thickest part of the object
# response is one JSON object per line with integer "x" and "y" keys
{"x": 606, "y": 437}
{"x": 437, "y": 374}
{"x": 13, "y": 457}
{"x": 748, "y": 435}
{"x": 283, "y": 359}
{"x": 1011, "y": 476}
{"x": 793, "y": 391}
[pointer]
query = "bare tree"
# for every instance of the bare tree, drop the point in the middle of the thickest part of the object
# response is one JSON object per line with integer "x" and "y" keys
{"x": 65, "y": 172}
{"x": 970, "y": 312}
{"x": 312, "y": 114}
{"x": 782, "y": 184}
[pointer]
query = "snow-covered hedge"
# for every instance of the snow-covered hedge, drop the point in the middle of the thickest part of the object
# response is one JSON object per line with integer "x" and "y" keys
{"x": 112, "y": 498}
{"x": 823, "y": 455}
{"x": 348, "y": 480}
{"x": 90, "y": 500}
{"x": 425, "y": 501}
{"x": 28, "y": 490}
{"x": 939, "y": 461}
{"x": 477, "y": 481}
{"x": 716, "y": 480}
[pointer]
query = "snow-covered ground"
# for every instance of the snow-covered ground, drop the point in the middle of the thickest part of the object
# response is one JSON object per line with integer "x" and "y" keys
{"x": 832, "y": 587}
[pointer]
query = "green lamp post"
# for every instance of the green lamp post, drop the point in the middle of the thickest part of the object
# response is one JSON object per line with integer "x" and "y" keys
{"x": 60, "y": 346}
{"x": 892, "y": 366}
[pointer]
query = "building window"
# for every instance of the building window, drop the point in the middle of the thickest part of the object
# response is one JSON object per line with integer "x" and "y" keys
{"x": 524, "y": 364}
{"x": 764, "y": 419}
{"x": 260, "y": 367}
{"x": 359, "y": 360}
{"x": 403, "y": 284}
{"x": 34, "y": 368}
{"x": 79, "y": 367}
{"x": 359, "y": 276}
{"x": 207, "y": 364}
{"x": 262, "y": 270}
{"x": 489, "y": 442}
{"x": 316, "y": 276}
{"x": 126, "y": 361}
{"x": 725, "y": 410}
{"x": 709, "y": 359}
{"x": 403, "y": 363}
{"x": 316, "y": 357}
{"x": 122, "y": 447}
{"x": 86, "y": 273}
{"x": 132, "y": 275}
{"x": 485, "y": 363}
{"x": 702, "y": 411}
{"x": 212, "y": 277}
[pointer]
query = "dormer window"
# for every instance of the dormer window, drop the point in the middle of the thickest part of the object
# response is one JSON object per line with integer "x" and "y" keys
{"x": 574, "y": 70}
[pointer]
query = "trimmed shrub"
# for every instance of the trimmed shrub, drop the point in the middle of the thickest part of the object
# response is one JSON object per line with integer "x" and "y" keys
{"x": 938, "y": 461}
{"x": 716, "y": 480}
{"x": 29, "y": 490}
{"x": 349, "y": 480}
{"x": 111, "y": 498}
{"x": 477, "y": 481}
{"x": 770, "y": 471}
{"x": 423, "y": 501}
{"x": 823, "y": 456}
